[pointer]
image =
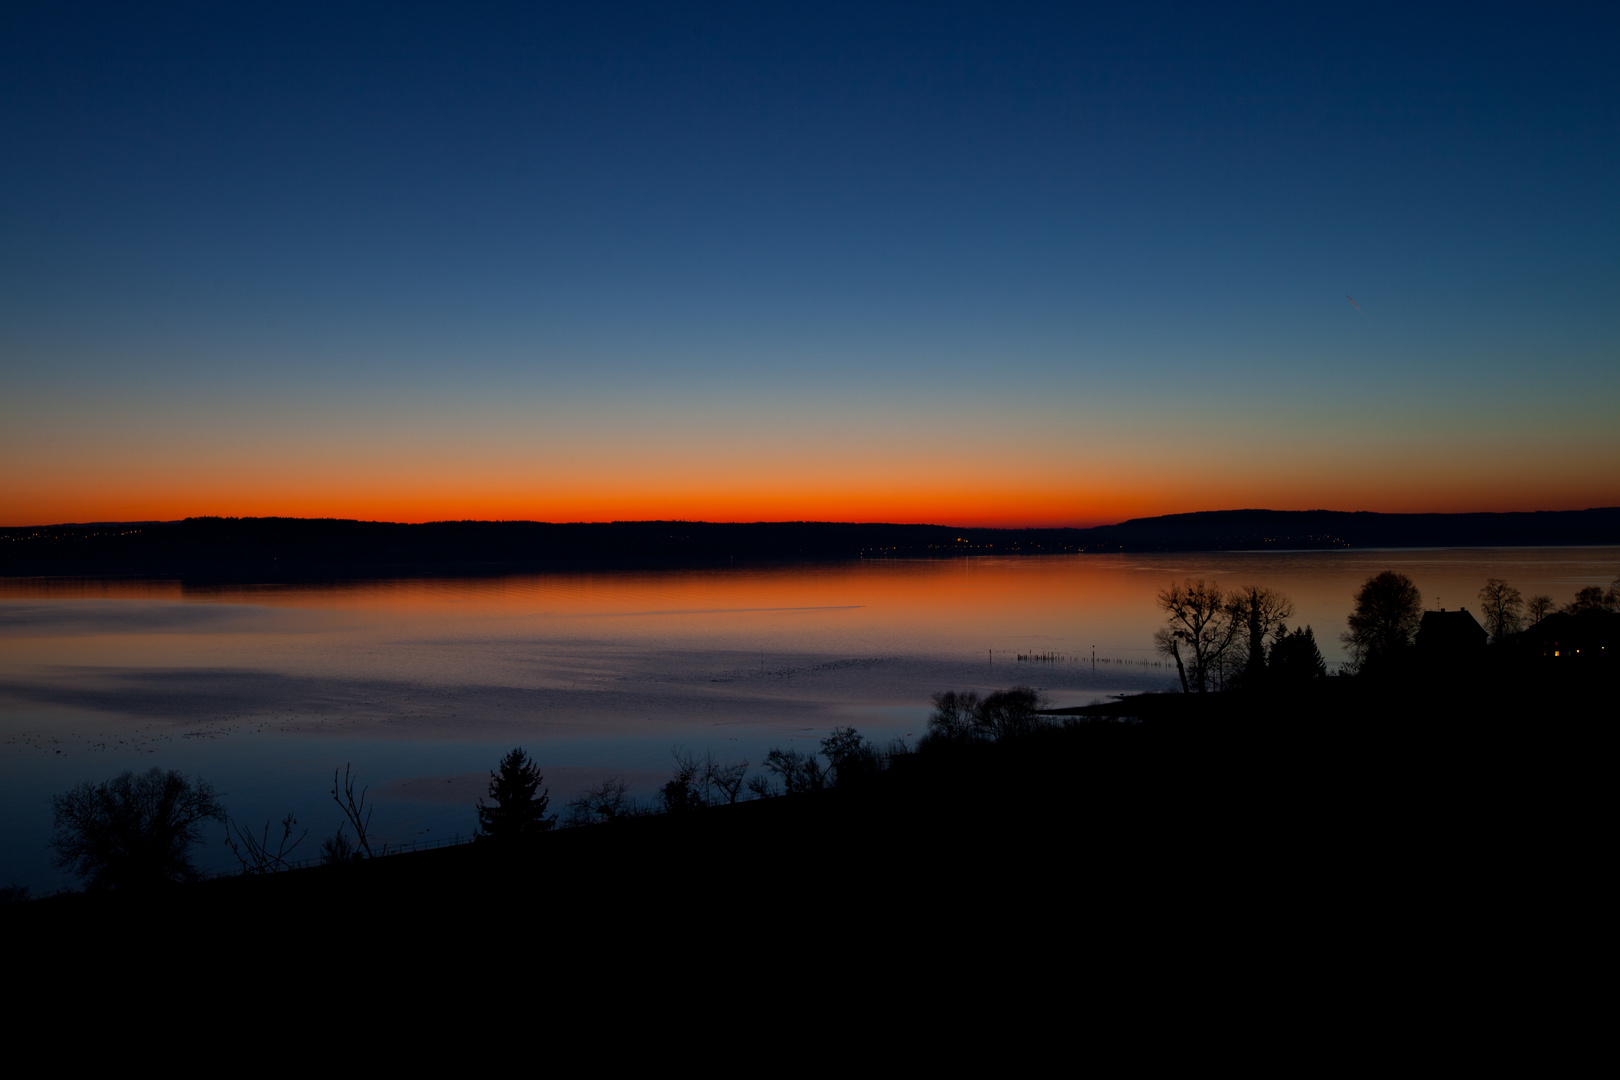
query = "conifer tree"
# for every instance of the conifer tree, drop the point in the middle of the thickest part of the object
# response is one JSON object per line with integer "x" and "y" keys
{"x": 520, "y": 805}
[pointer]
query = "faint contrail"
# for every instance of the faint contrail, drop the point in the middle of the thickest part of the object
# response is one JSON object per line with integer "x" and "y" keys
{"x": 1353, "y": 303}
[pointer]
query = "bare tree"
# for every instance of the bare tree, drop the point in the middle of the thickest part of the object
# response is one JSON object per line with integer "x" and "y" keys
{"x": 1502, "y": 607}
{"x": 800, "y": 773}
{"x": 1010, "y": 713}
{"x": 604, "y": 803}
{"x": 702, "y": 781}
{"x": 851, "y": 756}
{"x": 355, "y": 811}
{"x": 724, "y": 779}
{"x": 254, "y": 853}
{"x": 686, "y": 790}
{"x": 1538, "y": 607}
{"x": 952, "y": 721}
{"x": 1200, "y": 629}
{"x": 1260, "y": 613}
{"x": 133, "y": 831}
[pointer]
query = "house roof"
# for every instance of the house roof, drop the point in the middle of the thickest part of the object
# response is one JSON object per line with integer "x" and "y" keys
{"x": 1450, "y": 630}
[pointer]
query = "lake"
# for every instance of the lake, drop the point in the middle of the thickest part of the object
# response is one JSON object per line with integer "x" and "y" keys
{"x": 423, "y": 684}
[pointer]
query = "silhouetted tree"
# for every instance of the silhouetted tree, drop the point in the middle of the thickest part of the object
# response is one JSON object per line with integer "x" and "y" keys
{"x": 952, "y": 721}
{"x": 1386, "y": 616}
{"x": 355, "y": 812}
{"x": 1010, "y": 713}
{"x": 1295, "y": 658}
{"x": 850, "y": 756}
{"x": 1259, "y": 613}
{"x": 686, "y": 789}
{"x": 1502, "y": 607}
{"x": 724, "y": 779}
{"x": 254, "y": 852}
{"x": 604, "y": 803}
{"x": 705, "y": 781}
{"x": 1199, "y": 632}
{"x": 519, "y": 812}
{"x": 1538, "y": 607}
{"x": 1592, "y": 598}
{"x": 799, "y": 773}
{"x": 133, "y": 831}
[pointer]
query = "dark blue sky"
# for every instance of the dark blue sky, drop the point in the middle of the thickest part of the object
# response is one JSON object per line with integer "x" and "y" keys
{"x": 1077, "y": 239}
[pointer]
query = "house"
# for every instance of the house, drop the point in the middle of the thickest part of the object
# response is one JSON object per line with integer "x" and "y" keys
{"x": 1587, "y": 638}
{"x": 1450, "y": 635}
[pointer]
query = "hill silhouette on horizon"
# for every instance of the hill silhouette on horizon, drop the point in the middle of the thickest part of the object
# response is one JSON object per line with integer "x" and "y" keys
{"x": 319, "y": 547}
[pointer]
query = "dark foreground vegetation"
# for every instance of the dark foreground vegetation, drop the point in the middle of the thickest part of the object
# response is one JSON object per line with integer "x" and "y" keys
{"x": 295, "y": 547}
{"x": 929, "y": 844}
{"x": 1330, "y": 816}
{"x": 1000, "y": 808}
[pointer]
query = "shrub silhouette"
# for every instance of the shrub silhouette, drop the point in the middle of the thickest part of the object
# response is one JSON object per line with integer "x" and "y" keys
{"x": 133, "y": 832}
{"x": 336, "y": 849}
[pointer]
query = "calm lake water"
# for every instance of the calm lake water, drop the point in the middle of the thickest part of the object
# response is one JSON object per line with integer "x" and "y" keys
{"x": 423, "y": 684}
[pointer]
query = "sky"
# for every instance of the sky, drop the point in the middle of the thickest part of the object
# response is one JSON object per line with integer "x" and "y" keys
{"x": 976, "y": 264}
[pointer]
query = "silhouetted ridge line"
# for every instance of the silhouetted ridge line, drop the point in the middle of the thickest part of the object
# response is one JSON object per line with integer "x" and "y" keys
{"x": 1250, "y": 530}
{"x": 326, "y": 547}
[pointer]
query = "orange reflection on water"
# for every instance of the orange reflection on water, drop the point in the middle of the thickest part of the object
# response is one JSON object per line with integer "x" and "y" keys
{"x": 960, "y": 606}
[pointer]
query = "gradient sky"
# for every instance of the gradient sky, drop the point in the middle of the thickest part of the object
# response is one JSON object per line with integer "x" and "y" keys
{"x": 973, "y": 264}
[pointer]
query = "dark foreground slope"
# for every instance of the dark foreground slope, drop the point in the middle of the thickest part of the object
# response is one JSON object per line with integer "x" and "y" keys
{"x": 915, "y": 847}
{"x": 277, "y": 548}
{"x": 1268, "y": 857}
{"x": 1104, "y": 818}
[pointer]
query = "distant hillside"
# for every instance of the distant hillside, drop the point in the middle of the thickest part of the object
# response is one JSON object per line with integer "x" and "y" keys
{"x": 1250, "y": 530}
{"x": 298, "y": 547}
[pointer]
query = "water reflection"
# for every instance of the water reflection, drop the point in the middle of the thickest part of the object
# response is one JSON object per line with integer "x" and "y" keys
{"x": 424, "y": 682}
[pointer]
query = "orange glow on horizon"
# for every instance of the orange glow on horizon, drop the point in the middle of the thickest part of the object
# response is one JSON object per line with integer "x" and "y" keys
{"x": 993, "y": 510}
